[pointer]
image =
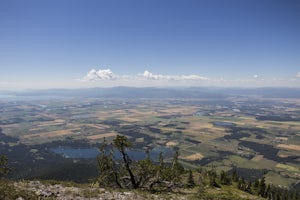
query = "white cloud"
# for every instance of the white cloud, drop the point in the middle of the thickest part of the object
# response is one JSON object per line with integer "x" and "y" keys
{"x": 105, "y": 74}
{"x": 193, "y": 77}
{"x": 150, "y": 76}
{"x": 106, "y": 78}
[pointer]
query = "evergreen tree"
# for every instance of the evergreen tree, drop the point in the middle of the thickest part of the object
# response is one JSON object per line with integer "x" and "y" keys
{"x": 108, "y": 171}
{"x": 225, "y": 180}
{"x": 4, "y": 169}
{"x": 190, "y": 181}
{"x": 256, "y": 183}
{"x": 240, "y": 184}
{"x": 213, "y": 182}
{"x": 235, "y": 176}
{"x": 121, "y": 143}
{"x": 212, "y": 177}
{"x": 262, "y": 187}
{"x": 177, "y": 169}
{"x": 145, "y": 170}
{"x": 269, "y": 192}
{"x": 248, "y": 187}
{"x": 160, "y": 167}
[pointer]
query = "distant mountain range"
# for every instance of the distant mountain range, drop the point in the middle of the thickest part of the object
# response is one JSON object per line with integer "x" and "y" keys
{"x": 153, "y": 92}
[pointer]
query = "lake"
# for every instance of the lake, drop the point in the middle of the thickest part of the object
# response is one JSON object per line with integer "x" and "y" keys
{"x": 69, "y": 152}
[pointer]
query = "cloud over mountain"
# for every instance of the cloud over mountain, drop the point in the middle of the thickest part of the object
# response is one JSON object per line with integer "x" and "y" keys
{"x": 106, "y": 78}
{"x": 105, "y": 74}
{"x": 150, "y": 76}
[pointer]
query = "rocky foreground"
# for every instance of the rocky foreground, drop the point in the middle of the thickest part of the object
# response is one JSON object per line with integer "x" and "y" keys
{"x": 49, "y": 190}
{"x": 88, "y": 192}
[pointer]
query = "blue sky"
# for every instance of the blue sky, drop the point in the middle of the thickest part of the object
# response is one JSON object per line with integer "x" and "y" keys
{"x": 57, "y": 43}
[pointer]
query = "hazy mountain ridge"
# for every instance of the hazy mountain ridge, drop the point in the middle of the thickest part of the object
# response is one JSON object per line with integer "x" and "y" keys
{"x": 154, "y": 92}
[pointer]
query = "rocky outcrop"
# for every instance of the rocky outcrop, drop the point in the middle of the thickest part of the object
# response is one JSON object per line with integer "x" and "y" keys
{"x": 87, "y": 192}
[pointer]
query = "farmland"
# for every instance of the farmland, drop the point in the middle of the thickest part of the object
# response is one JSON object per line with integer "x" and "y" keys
{"x": 252, "y": 134}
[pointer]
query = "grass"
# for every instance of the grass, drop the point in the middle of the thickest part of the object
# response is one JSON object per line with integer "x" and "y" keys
{"x": 223, "y": 193}
{"x": 278, "y": 180}
{"x": 287, "y": 167}
{"x": 250, "y": 164}
{"x": 8, "y": 191}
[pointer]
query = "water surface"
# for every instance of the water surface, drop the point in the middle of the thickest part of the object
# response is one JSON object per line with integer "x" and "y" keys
{"x": 69, "y": 152}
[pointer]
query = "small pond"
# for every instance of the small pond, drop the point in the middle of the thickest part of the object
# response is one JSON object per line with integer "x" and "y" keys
{"x": 223, "y": 124}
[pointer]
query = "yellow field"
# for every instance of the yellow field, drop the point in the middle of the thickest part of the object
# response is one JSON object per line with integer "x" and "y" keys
{"x": 139, "y": 113}
{"x": 168, "y": 129}
{"x": 101, "y": 127}
{"x": 192, "y": 157}
{"x": 204, "y": 130}
{"x": 36, "y": 129}
{"x": 289, "y": 146}
{"x": 10, "y": 126}
{"x": 258, "y": 158}
{"x": 171, "y": 143}
{"x": 281, "y": 155}
{"x": 129, "y": 119}
{"x": 100, "y": 136}
{"x": 282, "y": 138}
{"x": 51, "y": 123}
{"x": 180, "y": 110}
{"x": 51, "y": 134}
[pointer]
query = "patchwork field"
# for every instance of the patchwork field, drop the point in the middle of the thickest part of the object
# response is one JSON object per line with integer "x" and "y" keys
{"x": 227, "y": 133}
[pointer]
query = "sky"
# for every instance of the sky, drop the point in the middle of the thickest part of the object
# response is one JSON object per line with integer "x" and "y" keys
{"x": 162, "y": 43}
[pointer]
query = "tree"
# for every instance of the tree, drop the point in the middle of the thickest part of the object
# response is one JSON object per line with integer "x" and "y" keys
{"x": 161, "y": 174}
{"x": 124, "y": 172}
{"x": 167, "y": 176}
{"x": 144, "y": 171}
{"x": 128, "y": 173}
{"x": 4, "y": 169}
{"x": 235, "y": 176}
{"x": 190, "y": 181}
{"x": 256, "y": 183}
{"x": 213, "y": 182}
{"x": 108, "y": 172}
{"x": 262, "y": 187}
{"x": 212, "y": 175}
{"x": 176, "y": 169}
{"x": 160, "y": 167}
{"x": 121, "y": 143}
{"x": 225, "y": 180}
